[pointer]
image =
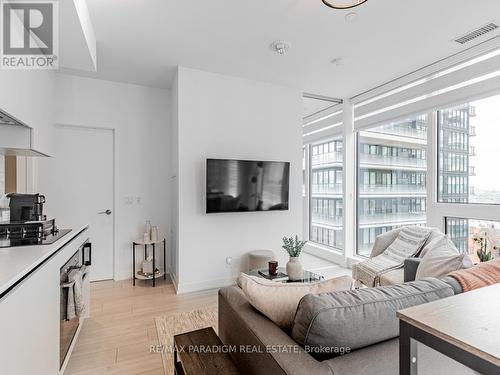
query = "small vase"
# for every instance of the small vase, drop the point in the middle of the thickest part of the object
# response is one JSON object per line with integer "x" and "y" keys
{"x": 294, "y": 269}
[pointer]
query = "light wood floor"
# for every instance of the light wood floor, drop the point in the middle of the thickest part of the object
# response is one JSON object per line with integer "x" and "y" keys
{"x": 117, "y": 337}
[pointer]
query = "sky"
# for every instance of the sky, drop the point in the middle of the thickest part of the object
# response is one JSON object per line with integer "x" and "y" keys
{"x": 487, "y": 143}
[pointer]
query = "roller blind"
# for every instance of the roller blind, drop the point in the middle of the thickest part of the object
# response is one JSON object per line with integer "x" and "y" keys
{"x": 469, "y": 75}
{"x": 323, "y": 124}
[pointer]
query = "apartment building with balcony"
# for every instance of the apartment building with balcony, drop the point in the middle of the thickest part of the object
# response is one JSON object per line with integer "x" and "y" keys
{"x": 327, "y": 202}
{"x": 392, "y": 165}
{"x": 392, "y": 178}
{"x": 455, "y": 165}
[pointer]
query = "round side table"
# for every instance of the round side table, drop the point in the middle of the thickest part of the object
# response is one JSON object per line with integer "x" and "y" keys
{"x": 153, "y": 244}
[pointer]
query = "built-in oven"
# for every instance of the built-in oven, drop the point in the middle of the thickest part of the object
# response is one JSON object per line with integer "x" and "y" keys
{"x": 69, "y": 320}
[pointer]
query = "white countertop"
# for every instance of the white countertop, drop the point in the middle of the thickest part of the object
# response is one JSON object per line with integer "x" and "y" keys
{"x": 16, "y": 262}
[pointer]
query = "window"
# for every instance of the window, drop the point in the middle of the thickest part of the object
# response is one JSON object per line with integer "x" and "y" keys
{"x": 462, "y": 230}
{"x": 326, "y": 194}
{"x": 469, "y": 152}
{"x": 392, "y": 168}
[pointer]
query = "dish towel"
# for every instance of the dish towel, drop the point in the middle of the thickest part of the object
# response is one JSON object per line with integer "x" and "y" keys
{"x": 76, "y": 303}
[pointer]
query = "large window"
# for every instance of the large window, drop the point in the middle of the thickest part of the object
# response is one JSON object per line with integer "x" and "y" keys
{"x": 469, "y": 152}
{"x": 326, "y": 206}
{"x": 392, "y": 171}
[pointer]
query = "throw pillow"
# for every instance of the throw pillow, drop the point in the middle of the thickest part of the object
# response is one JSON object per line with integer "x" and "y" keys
{"x": 408, "y": 242}
{"x": 279, "y": 301}
{"x": 441, "y": 259}
{"x": 431, "y": 244}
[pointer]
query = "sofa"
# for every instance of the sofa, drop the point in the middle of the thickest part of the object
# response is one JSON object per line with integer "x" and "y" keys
{"x": 382, "y": 242}
{"x": 262, "y": 348}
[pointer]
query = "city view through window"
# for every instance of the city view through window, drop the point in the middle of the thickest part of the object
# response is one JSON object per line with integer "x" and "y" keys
{"x": 392, "y": 169}
{"x": 326, "y": 194}
{"x": 468, "y": 161}
{"x": 392, "y": 175}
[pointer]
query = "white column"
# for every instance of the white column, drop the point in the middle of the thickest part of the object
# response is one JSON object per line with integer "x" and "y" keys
{"x": 349, "y": 185}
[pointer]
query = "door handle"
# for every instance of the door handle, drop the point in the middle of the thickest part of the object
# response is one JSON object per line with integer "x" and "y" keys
{"x": 107, "y": 212}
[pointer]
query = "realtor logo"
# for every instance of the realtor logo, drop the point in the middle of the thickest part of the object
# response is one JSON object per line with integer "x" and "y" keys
{"x": 29, "y": 34}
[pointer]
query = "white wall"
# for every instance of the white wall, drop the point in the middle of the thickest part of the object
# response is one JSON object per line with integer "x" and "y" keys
{"x": 227, "y": 117}
{"x": 141, "y": 119}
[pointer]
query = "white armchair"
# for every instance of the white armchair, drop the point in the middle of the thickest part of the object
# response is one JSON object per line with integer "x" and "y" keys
{"x": 381, "y": 243}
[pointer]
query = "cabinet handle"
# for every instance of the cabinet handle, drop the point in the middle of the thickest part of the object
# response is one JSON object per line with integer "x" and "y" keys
{"x": 87, "y": 262}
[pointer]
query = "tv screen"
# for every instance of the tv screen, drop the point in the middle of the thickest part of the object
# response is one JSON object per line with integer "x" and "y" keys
{"x": 247, "y": 185}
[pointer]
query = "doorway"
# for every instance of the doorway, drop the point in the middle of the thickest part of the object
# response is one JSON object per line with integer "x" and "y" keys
{"x": 78, "y": 182}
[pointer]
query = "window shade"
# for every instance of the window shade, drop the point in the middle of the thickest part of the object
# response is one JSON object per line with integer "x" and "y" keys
{"x": 471, "y": 74}
{"x": 323, "y": 124}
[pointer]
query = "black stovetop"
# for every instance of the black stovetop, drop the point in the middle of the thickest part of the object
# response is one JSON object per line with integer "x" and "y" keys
{"x": 44, "y": 240}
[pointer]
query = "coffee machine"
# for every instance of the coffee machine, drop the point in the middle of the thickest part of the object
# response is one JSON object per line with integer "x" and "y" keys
{"x": 26, "y": 207}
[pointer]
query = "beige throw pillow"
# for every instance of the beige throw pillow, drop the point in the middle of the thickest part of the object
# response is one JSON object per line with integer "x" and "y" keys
{"x": 279, "y": 301}
{"x": 441, "y": 258}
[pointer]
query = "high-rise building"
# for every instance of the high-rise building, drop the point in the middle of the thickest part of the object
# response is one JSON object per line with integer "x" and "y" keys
{"x": 455, "y": 167}
{"x": 392, "y": 162}
{"x": 392, "y": 178}
{"x": 326, "y": 194}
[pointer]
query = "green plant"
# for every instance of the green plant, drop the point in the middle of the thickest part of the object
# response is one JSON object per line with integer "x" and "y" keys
{"x": 481, "y": 239}
{"x": 293, "y": 246}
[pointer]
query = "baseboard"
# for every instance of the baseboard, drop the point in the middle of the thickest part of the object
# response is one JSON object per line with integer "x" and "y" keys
{"x": 182, "y": 288}
{"x": 174, "y": 279}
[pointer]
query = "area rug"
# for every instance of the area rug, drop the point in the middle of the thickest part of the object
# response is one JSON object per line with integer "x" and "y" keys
{"x": 173, "y": 324}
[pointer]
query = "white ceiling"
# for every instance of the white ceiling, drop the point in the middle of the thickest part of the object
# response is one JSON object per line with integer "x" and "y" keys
{"x": 142, "y": 41}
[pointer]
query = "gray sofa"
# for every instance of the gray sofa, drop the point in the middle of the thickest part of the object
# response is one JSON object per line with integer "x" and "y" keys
{"x": 267, "y": 349}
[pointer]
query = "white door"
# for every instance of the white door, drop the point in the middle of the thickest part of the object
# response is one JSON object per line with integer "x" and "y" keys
{"x": 78, "y": 183}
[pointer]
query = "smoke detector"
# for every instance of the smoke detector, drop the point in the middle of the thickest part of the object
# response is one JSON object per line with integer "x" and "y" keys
{"x": 280, "y": 47}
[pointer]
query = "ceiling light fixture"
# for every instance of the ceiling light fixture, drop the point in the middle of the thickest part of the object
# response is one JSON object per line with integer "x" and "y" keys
{"x": 343, "y": 4}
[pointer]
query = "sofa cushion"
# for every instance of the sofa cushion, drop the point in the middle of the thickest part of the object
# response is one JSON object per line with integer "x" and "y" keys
{"x": 278, "y": 301}
{"x": 441, "y": 258}
{"x": 383, "y": 359}
{"x": 358, "y": 318}
{"x": 392, "y": 277}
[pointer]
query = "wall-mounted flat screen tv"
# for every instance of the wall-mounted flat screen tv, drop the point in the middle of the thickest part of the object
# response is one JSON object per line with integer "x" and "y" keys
{"x": 247, "y": 185}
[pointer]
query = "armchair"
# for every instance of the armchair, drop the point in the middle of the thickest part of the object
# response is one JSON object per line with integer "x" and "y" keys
{"x": 403, "y": 274}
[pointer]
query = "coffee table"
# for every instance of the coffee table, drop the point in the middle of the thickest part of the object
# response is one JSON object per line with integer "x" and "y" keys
{"x": 307, "y": 276}
{"x": 201, "y": 353}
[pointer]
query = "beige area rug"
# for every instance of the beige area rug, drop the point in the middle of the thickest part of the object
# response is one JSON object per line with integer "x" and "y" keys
{"x": 173, "y": 324}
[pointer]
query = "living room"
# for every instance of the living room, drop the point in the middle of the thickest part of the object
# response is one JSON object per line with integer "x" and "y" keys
{"x": 286, "y": 187}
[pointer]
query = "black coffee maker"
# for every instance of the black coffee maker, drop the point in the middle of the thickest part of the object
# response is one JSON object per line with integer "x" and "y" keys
{"x": 26, "y": 207}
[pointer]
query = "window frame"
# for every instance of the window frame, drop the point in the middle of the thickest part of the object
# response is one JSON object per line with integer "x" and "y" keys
{"x": 328, "y": 140}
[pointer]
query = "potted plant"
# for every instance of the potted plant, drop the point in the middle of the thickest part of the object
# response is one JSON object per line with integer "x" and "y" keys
{"x": 293, "y": 247}
{"x": 487, "y": 240}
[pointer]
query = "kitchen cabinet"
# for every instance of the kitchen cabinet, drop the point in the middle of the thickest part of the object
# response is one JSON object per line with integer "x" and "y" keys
{"x": 30, "y": 311}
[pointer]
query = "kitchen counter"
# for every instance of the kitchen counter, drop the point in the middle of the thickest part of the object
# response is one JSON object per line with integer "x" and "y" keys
{"x": 17, "y": 262}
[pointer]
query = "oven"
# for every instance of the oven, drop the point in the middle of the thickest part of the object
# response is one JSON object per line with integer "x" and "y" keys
{"x": 81, "y": 259}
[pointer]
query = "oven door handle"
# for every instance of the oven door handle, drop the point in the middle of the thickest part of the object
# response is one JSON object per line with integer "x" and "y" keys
{"x": 85, "y": 261}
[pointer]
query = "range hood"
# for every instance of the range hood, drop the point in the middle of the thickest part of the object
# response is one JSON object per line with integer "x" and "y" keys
{"x": 16, "y": 138}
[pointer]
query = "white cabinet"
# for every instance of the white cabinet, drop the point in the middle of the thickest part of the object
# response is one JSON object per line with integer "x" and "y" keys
{"x": 29, "y": 318}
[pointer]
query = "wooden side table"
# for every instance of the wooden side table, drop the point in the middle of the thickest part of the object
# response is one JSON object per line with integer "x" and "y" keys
{"x": 463, "y": 327}
{"x": 195, "y": 354}
{"x": 154, "y": 276}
